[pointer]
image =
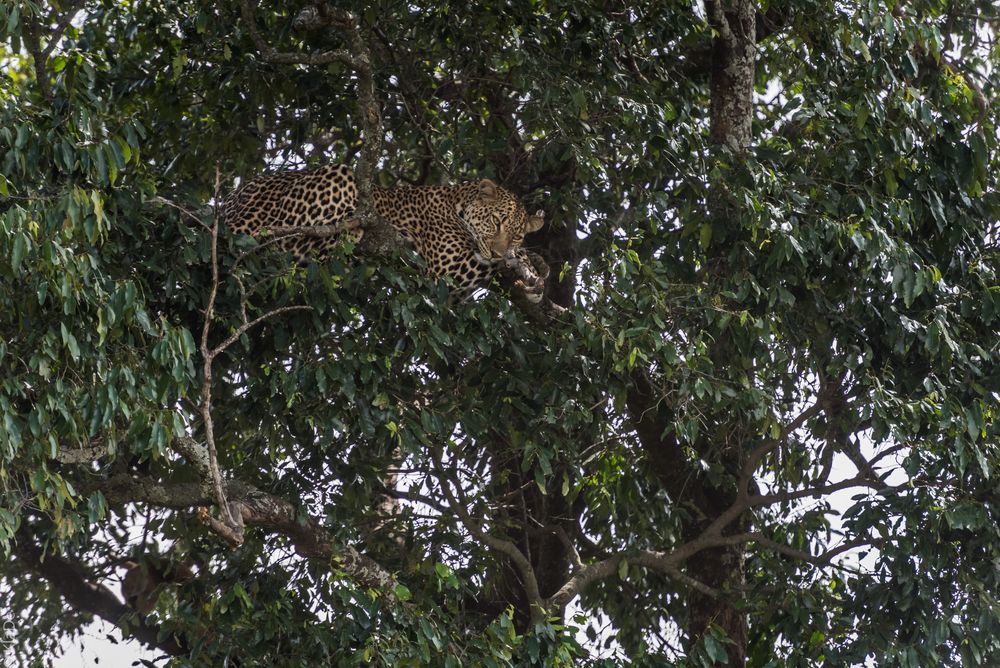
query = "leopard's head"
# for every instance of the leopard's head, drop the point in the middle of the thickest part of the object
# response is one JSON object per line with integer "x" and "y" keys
{"x": 498, "y": 219}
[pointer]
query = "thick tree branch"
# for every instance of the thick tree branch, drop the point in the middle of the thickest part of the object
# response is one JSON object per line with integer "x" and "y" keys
{"x": 651, "y": 417}
{"x": 71, "y": 580}
{"x": 822, "y": 559}
{"x": 792, "y": 495}
{"x": 668, "y": 563}
{"x": 40, "y": 55}
{"x": 718, "y": 20}
{"x": 742, "y": 501}
{"x": 255, "y": 508}
{"x": 248, "y": 9}
{"x": 733, "y": 55}
{"x": 771, "y": 444}
{"x": 315, "y": 231}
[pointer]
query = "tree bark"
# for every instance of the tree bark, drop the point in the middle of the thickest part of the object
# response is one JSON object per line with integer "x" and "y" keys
{"x": 71, "y": 581}
{"x": 723, "y": 568}
{"x": 733, "y": 51}
{"x": 719, "y": 569}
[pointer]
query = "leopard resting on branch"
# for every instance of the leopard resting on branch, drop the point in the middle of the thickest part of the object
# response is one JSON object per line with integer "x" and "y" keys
{"x": 466, "y": 232}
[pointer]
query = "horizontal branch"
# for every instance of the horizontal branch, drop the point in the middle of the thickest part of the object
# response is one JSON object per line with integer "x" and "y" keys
{"x": 270, "y": 54}
{"x": 668, "y": 563}
{"x": 315, "y": 231}
{"x": 71, "y": 581}
{"x": 82, "y": 455}
{"x": 822, "y": 559}
{"x": 260, "y": 509}
{"x": 187, "y": 212}
{"x": 792, "y": 495}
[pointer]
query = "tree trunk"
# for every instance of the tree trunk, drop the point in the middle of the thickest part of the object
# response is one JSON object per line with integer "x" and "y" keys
{"x": 731, "y": 124}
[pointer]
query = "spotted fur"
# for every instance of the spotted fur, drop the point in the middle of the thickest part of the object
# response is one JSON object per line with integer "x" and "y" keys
{"x": 462, "y": 231}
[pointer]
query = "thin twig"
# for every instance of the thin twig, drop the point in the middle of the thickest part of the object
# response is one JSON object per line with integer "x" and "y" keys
{"x": 507, "y": 547}
{"x": 242, "y": 329}
{"x": 231, "y": 526}
{"x": 691, "y": 582}
{"x": 187, "y": 212}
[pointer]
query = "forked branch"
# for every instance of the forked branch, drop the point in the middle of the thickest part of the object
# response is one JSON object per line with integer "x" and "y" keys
{"x": 231, "y": 526}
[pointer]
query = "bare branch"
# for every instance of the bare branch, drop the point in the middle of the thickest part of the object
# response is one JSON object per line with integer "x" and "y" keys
{"x": 668, "y": 562}
{"x": 242, "y": 329}
{"x": 664, "y": 562}
{"x": 564, "y": 538}
{"x": 83, "y": 455}
{"x": 582, "y": 578}
{"x": 195, "y": 453}
{"x": 314, "y": 231}
{"x": 888, "y": 453}
{"x": 768, "y": 446}
{"x": 187, "y": 212}
{"x": 692, "y": 583}
{"x": 779, "y": 497}
{"x": 822, "y": 559}
{"x": 742, "y": 502}
{"x": 64, "y": 22}
{"x": 207, "y": 357}
{"x": 720, "y": 22}
{"x": 231, "y": 527}
{"x": 40, "y": 55}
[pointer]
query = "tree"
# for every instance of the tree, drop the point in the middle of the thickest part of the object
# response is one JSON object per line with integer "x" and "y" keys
{"x": 753, "y": 422}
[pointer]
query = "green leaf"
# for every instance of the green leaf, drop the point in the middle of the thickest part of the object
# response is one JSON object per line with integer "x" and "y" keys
{"x": 705, "y": 235}
{"x": 70, "y": 342}
{"x": 715, "y": 650}
{"x": 974, "y": 423}
{"x": 861, "y": 115}
{"x": 18, "y": 251}
{"x": 966, "y": 515}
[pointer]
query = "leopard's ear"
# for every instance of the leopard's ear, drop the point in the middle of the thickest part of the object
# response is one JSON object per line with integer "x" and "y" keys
{"x": 535, "y": 223}
{"x": 487, "y": 189}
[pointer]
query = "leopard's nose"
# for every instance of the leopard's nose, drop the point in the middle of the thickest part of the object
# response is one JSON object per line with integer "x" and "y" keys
{"x": 499, "y": 246}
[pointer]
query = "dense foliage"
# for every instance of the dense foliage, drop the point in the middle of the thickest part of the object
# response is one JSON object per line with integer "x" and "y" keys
{"x": 765, "y": 426}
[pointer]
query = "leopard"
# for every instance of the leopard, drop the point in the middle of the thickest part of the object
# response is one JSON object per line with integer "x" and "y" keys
{"x": 464, "y": 232}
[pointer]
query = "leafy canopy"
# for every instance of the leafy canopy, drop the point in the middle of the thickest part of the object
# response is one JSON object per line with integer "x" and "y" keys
{"x": 859, "y": 253}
